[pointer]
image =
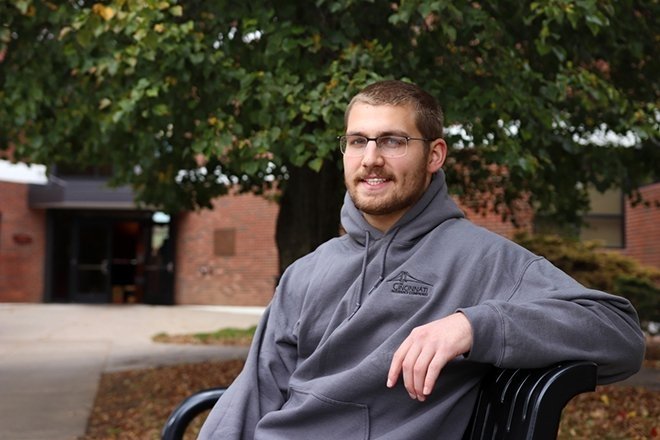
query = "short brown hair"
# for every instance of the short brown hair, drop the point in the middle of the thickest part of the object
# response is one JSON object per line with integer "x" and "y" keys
{"x": 428, "y": 113}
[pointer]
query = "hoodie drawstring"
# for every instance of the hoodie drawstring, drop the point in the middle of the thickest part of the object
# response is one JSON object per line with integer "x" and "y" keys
{"x": 383, "y": 261}
{"x": 363, "y": 273}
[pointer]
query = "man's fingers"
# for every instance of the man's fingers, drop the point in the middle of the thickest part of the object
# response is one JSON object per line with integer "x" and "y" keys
{"x": 435, "y": 366}
{"x": 396, "y": 364}
{"x": 420, "y": 373}
{"x": 408, "y": 370}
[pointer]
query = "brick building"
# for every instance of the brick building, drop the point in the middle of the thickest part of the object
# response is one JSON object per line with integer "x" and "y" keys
{"x": 73, "y": 240}
{"x": 642, "y": 228}
{"x": 22, "y": 245}
{"x": 227, "y": 255}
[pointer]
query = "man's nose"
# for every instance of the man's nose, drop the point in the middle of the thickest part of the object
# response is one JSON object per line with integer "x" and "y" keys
{"x": 372, "y": 155}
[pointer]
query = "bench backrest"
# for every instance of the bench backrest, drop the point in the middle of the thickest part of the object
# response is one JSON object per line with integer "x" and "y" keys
{"x": 513, "y": 404}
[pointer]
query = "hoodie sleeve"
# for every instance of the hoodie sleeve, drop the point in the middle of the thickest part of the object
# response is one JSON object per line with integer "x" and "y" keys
{"x": 262, "y": 385}
{"x": 551, "y": 318}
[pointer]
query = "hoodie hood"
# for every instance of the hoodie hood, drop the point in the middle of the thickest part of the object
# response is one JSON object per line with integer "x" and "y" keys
{"x": 433, "y": 208}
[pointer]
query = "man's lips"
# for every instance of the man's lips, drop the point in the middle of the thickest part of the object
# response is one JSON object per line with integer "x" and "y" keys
{"x": 374, "y": 180}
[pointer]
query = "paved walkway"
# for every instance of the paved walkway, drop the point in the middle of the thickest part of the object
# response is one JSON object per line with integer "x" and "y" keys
{"x": 52, "y": 356}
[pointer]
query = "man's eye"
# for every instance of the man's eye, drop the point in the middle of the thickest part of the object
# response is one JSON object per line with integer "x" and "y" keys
{"x": 392, "y": 141}
{"x": 357, "y": 141}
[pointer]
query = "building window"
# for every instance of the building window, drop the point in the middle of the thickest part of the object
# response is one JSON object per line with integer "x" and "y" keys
{"x": 605, "y": 220}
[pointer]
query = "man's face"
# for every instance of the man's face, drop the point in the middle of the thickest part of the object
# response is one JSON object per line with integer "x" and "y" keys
{"x": 385, "y": 188}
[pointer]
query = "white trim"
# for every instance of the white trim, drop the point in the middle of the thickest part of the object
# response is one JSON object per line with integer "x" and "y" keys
{"x": 22, "y": 173}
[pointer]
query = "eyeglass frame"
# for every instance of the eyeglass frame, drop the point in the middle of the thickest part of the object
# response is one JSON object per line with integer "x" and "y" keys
{"x": 375, "y": 139}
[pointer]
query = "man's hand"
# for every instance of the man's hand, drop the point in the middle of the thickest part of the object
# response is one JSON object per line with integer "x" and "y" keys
{"x": 425, "y": 352}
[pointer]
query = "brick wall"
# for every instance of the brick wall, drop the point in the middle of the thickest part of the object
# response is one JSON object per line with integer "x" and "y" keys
{"x": 490, "y": 220}
{"x": 206, "y": 274}
{"x": 22, "y": 246}
{"x": 643, "y": 228}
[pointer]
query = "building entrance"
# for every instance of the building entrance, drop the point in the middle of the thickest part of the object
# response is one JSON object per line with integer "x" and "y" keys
{"x": 109, "y": 257}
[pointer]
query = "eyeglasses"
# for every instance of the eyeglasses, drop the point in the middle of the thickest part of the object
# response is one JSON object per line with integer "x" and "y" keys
{"x": 389, "y": 146}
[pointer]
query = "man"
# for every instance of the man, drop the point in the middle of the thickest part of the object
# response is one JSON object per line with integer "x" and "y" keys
{"x": 385, "y": 332}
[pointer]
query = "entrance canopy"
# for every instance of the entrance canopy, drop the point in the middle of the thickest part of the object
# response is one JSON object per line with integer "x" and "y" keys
{"x": 80, "y": 193}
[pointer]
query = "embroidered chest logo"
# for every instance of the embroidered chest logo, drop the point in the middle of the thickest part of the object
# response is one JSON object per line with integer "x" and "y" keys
{"x": 406, "y": 284}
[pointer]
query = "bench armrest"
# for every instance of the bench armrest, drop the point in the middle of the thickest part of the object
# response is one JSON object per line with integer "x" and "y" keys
{"x": 187, "y": 410}
{"x": 526, "y": 404}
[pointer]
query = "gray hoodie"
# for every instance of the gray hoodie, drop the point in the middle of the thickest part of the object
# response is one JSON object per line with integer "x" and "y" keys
{"x": 318, "y": 365}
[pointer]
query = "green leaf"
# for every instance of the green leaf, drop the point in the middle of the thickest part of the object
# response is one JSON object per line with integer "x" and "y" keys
{"x": 197, "y": 58}
{"x": 23, "y": 5}
{"x": 176, "y": 11}
{"x": 161, "y": 110}
{"x": 104, "y": 103}
{"x": 316, "y": 164}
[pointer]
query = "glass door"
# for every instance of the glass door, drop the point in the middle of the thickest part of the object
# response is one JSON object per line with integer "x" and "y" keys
{"x": 90, "y": 261}
{"x": 159, "y": 265}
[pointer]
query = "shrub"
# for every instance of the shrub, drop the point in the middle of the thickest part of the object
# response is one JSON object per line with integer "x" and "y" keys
{"x": 643, "y": 293}
{"x": 601, "y": 269}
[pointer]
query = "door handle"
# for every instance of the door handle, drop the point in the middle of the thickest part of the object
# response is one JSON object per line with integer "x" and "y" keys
{"x": 104, "y": 267}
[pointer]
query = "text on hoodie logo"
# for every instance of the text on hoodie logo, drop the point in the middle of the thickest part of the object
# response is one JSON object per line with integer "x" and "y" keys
{"x": 406, "y": 284}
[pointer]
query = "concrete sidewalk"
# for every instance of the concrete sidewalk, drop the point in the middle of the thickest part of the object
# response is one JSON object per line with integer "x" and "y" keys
{"x": 52, "y": 356}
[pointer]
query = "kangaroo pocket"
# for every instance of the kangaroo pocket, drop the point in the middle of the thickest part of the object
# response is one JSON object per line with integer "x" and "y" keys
{"x": 308, "y": 416}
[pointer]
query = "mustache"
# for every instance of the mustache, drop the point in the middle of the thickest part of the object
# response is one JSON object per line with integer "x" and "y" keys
{"x": 372, "y": 174}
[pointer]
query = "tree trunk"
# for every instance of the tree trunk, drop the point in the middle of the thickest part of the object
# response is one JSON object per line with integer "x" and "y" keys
{"x": 309, "y": 211}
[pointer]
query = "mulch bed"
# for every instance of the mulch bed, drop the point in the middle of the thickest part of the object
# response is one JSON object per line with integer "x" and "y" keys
{"x": 134, "y": 405}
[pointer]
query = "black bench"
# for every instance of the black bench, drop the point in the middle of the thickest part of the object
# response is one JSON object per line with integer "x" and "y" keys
{"x": 515, "y": 404}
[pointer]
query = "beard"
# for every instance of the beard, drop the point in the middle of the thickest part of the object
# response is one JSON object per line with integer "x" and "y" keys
{"x": 406, "y": 191}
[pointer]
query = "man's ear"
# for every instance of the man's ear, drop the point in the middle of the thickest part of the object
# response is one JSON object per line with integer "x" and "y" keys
{"x": 437, "y": 155}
